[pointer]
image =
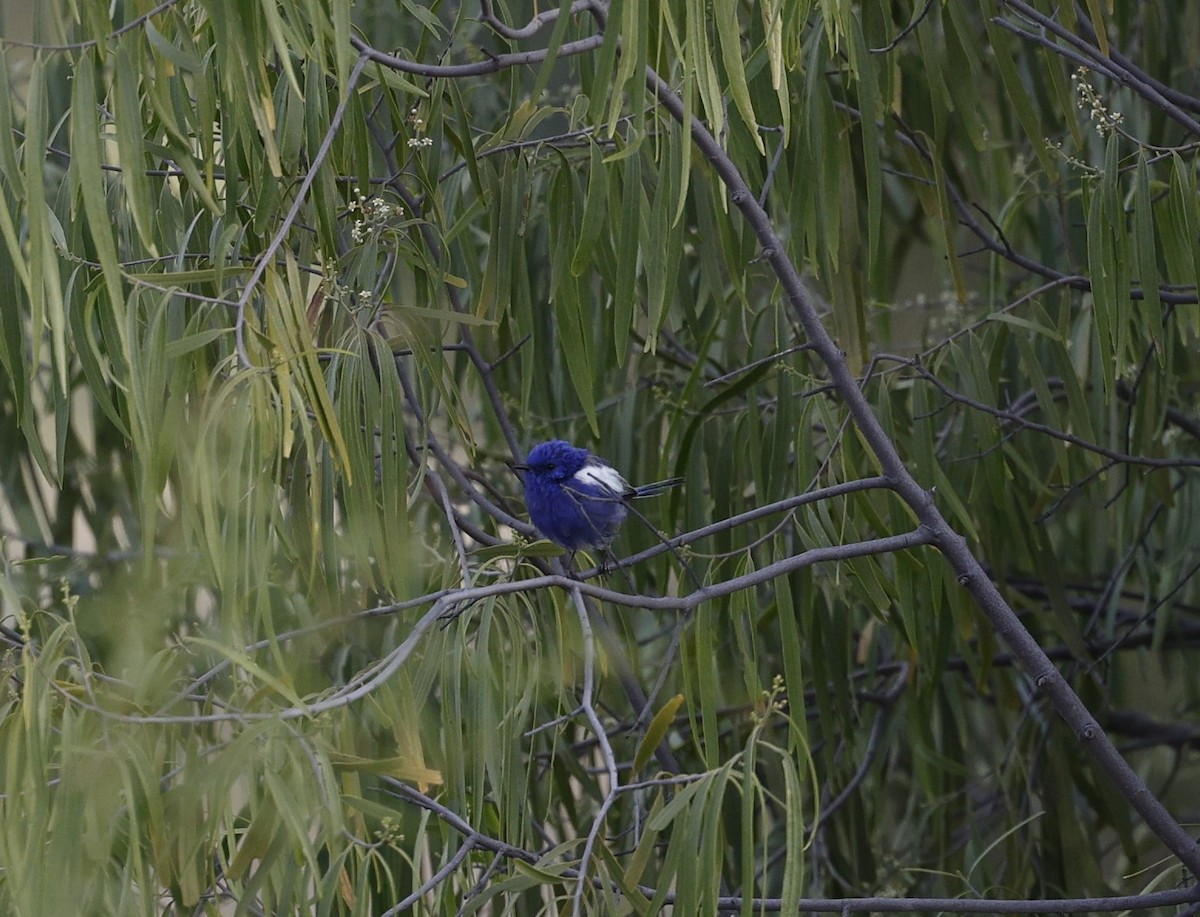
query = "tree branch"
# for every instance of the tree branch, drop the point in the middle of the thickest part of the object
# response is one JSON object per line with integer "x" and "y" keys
{"x": 970, "y": 573}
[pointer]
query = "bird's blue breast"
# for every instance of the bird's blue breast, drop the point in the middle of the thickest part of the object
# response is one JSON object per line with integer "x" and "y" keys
{"x": 576, "y": 513}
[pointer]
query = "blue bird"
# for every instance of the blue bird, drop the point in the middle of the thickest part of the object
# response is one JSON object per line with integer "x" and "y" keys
{"x": 576, "y": 499}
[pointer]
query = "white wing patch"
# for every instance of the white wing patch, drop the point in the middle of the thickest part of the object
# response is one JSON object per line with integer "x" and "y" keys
{"x": 605, "y": 476}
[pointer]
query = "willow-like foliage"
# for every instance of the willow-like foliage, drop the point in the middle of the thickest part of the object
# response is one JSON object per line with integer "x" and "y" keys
{"x": 907, "y": 292}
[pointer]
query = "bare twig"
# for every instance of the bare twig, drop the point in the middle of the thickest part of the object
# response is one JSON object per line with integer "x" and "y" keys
{"x": 433, "y": 881}
{"x": 1019, "y": 420}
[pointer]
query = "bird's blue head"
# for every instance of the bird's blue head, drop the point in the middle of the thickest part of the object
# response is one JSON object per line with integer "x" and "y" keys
{"x": 555, "y": 460}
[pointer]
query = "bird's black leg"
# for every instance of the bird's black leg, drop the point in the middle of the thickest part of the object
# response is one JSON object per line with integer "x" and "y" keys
{"x": 609, "y": 562}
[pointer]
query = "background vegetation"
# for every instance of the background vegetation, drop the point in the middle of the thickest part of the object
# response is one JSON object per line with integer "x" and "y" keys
{"x": 911, "y": 303}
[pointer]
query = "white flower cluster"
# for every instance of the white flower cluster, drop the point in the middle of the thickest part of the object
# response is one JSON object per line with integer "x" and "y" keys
{"x": 418, "y": 142}
{"x": 1106, "y": 121}
{"x": 375, "y": 212}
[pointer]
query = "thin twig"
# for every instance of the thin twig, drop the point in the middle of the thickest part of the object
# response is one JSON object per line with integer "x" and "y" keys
{"x": 587, "y": 704}
{"x": 135, "y": 23}
{"x": 433, "y": 881}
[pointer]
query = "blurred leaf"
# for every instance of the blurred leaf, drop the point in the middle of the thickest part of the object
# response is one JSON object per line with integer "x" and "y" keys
{"x": 729, "y": 37}
{"x": 594, "y": 211}
{"x": 625, "y": 292}
{"x": 656, "y": 732}
{"x": 1146, "y": 255}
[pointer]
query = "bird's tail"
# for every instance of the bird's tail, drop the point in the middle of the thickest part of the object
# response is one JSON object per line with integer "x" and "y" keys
{"x": 651, "y": 490}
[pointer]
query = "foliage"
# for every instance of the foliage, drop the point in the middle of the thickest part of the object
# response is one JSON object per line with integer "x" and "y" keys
{"x": 288, "y": 283}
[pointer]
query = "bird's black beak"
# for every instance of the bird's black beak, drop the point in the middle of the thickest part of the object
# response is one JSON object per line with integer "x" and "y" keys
{"x": 517, "y": 466}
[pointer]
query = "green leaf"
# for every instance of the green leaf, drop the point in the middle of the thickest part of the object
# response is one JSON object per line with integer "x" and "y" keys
{"x": 1145, "y": 253}
{"x": 1178, "y": 229}
{"x": 793, "y": 869}
{"x": 729, "y": 37}
{"x": 1105, "y": 296}
{"x": 244, "y": 662}
{"x": 544, "y": 875}
{"x": 177, "y": 55}
{"x": 656, "y": 732}
{"x": 193, "y": 342}
{"x": 871, "y": 111}
{"x": 290, "y": 332}
{"x": 684, "y": 798}
{"x": 45, "y": 294}
{"x": 1015, "y": 93}
{"x": 594, "y": 212}
{"x": 256, "y": 841}
{"x": 625, "y": 294}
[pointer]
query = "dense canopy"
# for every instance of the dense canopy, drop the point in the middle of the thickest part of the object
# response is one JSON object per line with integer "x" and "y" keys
{"x": 906, "y": 293}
